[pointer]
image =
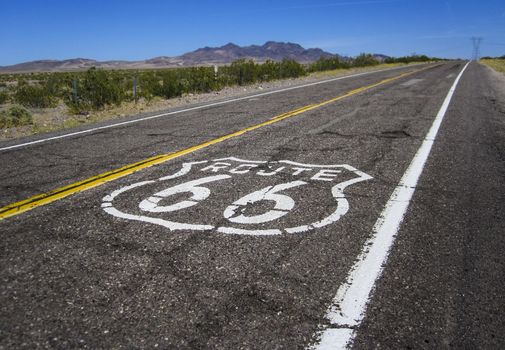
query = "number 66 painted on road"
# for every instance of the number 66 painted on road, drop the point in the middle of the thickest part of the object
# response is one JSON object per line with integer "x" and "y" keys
{"x": 283, "y": 203}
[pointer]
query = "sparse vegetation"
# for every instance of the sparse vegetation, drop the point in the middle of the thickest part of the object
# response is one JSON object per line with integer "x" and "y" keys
{"x": 4, "y": 97}
{"x": 493, "y": 58}
{"x": 34, "y": 95}
{"x": 410, "y": 59}
{"x": 15, "y": 116}
{"x": 498, "y": 64}
{"x": 169, "y": 83}
{"x": 96, "y": 90}
{"x": 325, "y": 64}
{"x": 244, "y": 72}
{"x": 364, "y": 60}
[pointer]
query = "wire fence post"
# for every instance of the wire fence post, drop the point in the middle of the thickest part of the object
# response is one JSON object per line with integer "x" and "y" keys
{"x": 135, "y": 89}
{"x": 75, "y": 89}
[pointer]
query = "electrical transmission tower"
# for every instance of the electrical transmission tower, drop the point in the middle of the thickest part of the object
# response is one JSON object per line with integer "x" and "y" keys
{"x": 476, "y": 41}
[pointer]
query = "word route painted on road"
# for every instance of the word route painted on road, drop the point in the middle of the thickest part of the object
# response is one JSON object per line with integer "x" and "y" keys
{"x": 235, "y": 196}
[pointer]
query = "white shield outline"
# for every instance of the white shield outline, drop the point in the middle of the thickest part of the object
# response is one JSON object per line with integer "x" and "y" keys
{"x": 342, "y": 205}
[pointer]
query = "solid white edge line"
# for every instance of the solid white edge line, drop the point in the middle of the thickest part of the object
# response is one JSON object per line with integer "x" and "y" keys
{"x": 350, "y": 303}
{"x": 196, "y": 108}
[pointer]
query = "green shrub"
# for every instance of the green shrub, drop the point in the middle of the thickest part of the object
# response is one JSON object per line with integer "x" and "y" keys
{"x": 100, "y": 89}
{"x": 95, "y": 90}
{"x": 15, "y": 116}
{"x": 202, "y": 79}
{"x": 409, "y": 59}
{"x": 34, "y": 95}
{"x": 363, "y": 60}
{"x": 149, "y": 85}
{"x": 270, "y": 70}
{"x": 171, "y": 85}
{"x": 243, "y": 72}
{"x": 330, "y": 63}
{"x": 4, "y": 97}
{"x": 291, "y": 69}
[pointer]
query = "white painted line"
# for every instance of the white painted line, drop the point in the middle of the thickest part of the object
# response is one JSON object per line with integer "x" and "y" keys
{"x": 349, "y": 305}
{"x": 335, "y": 338}
{"x": 193, "y": 109}
{"x": 411, "y": 82}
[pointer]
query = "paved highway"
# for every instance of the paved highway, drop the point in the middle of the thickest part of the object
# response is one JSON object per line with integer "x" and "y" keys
{"x": 365, "y": 212}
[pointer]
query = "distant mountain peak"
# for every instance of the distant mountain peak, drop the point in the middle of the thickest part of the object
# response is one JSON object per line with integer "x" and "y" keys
{"x": 271, "y": 50}
{"x": 230, "y": 46}
{"x": 282, "y": 44}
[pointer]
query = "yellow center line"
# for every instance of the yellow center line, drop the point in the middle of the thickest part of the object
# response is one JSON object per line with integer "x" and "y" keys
{"x": 65, "y": 191}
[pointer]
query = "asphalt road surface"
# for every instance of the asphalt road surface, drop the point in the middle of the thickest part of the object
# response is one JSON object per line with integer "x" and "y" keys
{"x": 304, "y": 218}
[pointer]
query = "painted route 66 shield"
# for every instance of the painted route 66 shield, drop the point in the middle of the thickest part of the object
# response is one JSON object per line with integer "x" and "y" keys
{"x": 236, "y": 196}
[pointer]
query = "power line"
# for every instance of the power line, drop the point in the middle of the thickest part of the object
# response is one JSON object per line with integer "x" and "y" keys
{"x": 476, "y": 41}
{"x": 494, "y": 44}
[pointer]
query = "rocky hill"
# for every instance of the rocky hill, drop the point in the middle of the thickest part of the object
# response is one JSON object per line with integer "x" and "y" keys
{"x": 204, "y": 56}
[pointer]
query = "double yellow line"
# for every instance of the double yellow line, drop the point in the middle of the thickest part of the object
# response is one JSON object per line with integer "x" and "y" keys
{"x": 62, "y": 192}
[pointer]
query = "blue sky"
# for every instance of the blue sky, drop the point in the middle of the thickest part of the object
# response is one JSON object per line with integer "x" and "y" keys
{"x": 135, "y": 30}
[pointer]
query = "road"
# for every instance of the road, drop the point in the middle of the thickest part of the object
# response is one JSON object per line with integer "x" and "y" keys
{"x": 255, "y": 223}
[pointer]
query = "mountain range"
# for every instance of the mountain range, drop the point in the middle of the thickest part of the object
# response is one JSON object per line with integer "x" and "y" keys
{"x": 228, "y": 53}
